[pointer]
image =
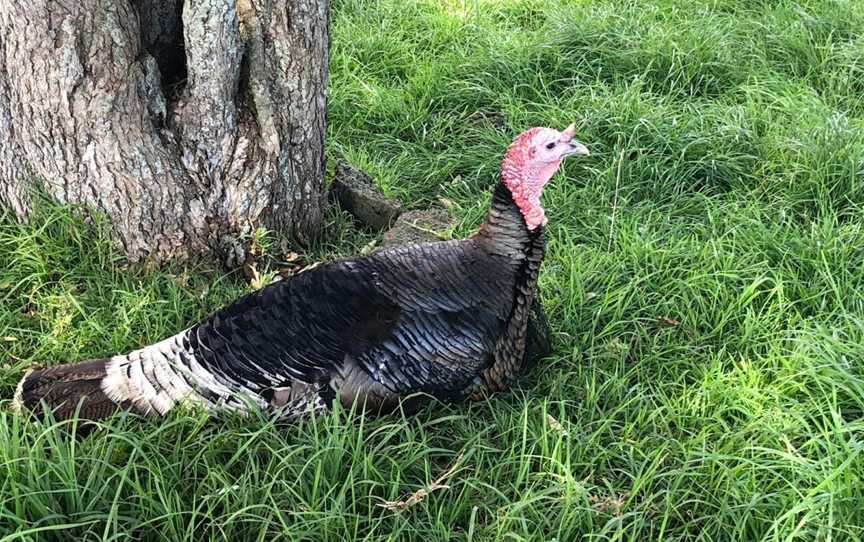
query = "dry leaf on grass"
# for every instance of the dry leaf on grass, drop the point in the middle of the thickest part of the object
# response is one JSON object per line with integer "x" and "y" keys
{"x": 609, "y": 504}
{"x": 447, "y": 203}
{"x": 417, "y": 497}
{"x": 181, "y": 280}
{"x": 671, "y": 322}
{"x": 293, "y": 264}
{"x": 292, "y": 257}
{"x": 668, "y": 321}
{"x": 556, "y": 425}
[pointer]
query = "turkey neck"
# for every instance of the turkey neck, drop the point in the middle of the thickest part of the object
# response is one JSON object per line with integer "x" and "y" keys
{"x": 504, "y": 234}
{"x": 504, "y": 231}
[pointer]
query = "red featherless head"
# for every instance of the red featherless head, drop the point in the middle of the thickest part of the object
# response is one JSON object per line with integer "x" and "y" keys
{"x": 532, "y": 158}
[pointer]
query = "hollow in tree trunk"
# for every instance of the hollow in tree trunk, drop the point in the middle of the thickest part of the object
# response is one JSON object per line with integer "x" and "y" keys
{"x": 187, "y": 123}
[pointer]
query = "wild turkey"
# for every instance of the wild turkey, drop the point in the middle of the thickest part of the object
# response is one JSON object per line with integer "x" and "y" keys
{"x": 446, "y": 320}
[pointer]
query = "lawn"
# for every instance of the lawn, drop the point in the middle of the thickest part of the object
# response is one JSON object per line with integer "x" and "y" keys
{"x": 704, "y": 281}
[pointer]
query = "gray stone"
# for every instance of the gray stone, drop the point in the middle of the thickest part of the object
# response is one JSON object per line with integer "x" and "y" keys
{"x": 356, "y": 192}
{"x": 418, "y": 227}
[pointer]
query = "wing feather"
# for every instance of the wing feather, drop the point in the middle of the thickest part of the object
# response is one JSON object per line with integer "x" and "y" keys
{"x": 420, "y": 318}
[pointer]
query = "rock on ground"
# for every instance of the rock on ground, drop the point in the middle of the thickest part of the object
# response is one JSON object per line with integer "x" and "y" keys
{"x": 418, "y": 227}
{"x": 356, "y": 193}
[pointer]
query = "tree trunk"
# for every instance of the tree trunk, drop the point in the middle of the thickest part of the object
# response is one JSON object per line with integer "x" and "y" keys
{"x": 187, "y": 123}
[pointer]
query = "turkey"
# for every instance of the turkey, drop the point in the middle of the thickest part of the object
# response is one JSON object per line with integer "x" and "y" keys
{"x": 444, "y": 320}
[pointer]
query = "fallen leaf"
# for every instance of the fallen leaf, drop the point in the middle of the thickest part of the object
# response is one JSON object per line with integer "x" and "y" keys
{"x": 671, "y": 322}
{"x": 448, "y": 204}
{"x": 609, "y": 504}
{"x": 181, "y": 280}
{"x": 556, "y": 425}
{"x": 286, "y": 272}
{"x": 418, "y": 496}
{"x": 668, "y": 321}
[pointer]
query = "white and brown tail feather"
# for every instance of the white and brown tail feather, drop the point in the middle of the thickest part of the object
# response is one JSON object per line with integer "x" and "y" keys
{"x": 62, "y": 388}
{"x": 146, "y": 381}
{"x": 149, "y": 378}
{"x": 149, "y": 381}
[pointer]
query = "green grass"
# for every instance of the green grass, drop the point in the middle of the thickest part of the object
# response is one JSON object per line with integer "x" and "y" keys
{"x": 704, "y": 280}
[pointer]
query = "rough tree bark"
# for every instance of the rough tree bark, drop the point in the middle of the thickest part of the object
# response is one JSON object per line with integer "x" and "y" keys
{"x": 187, "y": 123}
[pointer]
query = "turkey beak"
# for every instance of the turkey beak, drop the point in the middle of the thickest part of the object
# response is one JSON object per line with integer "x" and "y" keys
{"x": 575, "y": 147}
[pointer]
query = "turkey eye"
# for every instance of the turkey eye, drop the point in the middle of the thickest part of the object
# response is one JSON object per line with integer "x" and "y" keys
{"x": 550, "y": 145}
